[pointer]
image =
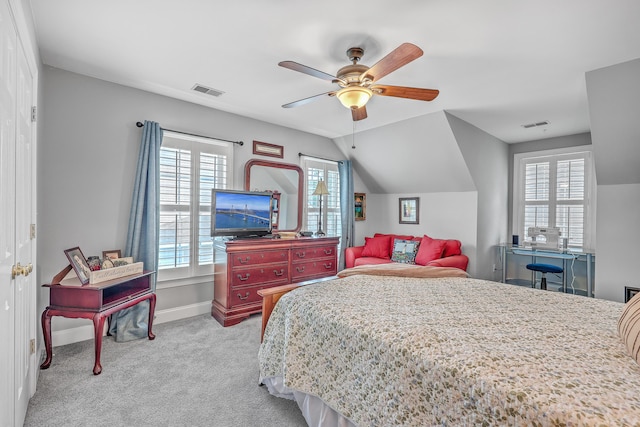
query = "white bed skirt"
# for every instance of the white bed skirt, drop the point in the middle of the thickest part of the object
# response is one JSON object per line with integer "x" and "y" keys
{"x": 315, "y": 411}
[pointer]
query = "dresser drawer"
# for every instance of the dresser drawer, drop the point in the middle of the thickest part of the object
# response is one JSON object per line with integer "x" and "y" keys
{"x": 258, "y": 257}
{"x": 257, "y": 275}
{"x": 314, "y": 268}
{"x": 248, "y": 295}
{"x": 306, "y": 254}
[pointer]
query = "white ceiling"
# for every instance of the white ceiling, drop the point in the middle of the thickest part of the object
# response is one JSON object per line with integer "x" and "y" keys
{"x": 498, "y": 64}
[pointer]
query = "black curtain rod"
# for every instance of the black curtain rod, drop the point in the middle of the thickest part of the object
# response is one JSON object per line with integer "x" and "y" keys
{"x": 140, "y": 124}
{"x": 319, "y": 158}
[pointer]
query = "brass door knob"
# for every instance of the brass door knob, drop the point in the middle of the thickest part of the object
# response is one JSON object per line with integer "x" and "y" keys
{"x": 18, "y": 269}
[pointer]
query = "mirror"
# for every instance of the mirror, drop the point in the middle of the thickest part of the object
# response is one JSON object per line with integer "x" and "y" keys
{"x": 287, "y": 179}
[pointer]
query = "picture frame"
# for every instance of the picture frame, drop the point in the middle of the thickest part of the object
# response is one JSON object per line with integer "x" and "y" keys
{"x": 360, "y": 206}
{"x": 630, "y": 292}
{"x": 409, "y": 210}
{"x": 266, "y": 149}
{"x": 79, "y": 263}
{"x": 112, "y": 254}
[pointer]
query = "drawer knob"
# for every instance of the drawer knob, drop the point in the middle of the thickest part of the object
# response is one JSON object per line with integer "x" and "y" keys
{"x": 328, "y": 251}
{"x": 245, "y": 260}
{"x": 279, "y": 273}
{"x": 300, "y": 269}
{"x": 300, "y": 254}
{"x": 246, "y": 295}
{"x": 328, "y": 266}
{"x": 244, "y": 278}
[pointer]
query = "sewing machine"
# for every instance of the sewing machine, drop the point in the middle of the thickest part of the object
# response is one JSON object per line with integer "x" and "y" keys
{"x": 543, "y": 237}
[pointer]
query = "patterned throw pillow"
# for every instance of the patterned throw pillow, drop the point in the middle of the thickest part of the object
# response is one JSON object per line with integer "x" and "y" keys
{"x": 629, "y": 327}
{"x": 404, "y": 251}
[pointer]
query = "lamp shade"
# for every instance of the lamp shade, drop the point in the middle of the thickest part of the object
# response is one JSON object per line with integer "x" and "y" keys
{"x": 354, "y": 96}
{"x": 321, "y": 189}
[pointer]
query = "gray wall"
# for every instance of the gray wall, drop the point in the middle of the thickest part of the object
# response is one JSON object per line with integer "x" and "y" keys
{"x": 459, "y": 172}
{"x": 88, "y": 147}
{"x": 487, "y": 158}
{"x": 614, "y": 107}
{"x": 539, "y": 145}
{"x": 418, "y": 157}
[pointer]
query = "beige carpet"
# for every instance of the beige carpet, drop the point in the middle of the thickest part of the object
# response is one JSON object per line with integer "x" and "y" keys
{"x": 195, "y": 373}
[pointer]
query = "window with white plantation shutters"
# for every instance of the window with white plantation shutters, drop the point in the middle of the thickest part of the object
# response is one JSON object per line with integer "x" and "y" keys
{"x": 315, "y": 170}
{"x": 190, "y": 167}
{"x": 554, "y": 191}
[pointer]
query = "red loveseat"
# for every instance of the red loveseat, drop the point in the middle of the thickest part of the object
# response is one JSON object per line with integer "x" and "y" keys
{"x": 379, "y": 249}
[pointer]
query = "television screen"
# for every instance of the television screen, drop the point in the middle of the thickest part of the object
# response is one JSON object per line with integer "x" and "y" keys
{"x": 240, "y": 213}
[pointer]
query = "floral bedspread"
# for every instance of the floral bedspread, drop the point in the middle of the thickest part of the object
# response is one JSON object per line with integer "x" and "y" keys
{"x": 387, "y": 351}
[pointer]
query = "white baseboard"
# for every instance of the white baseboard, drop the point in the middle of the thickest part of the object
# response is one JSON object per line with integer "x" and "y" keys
{"x": 82, "y": 333}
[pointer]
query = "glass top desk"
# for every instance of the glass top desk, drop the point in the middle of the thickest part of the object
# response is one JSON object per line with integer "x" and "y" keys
{"x": 514, "y": 256}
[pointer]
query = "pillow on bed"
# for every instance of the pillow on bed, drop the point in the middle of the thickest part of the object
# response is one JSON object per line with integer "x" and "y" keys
{"x": 429, "y": 250}
{"x": 629, "y": 327}
{"x": 377, "y": 247}
{"x": 405, "y": 251}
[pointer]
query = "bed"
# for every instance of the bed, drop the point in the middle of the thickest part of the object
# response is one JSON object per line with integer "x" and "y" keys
{"x": 379, "y": 350}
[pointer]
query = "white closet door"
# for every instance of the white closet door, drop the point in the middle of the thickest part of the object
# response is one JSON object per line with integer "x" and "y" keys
{"x": 17, "y": 195}
{"x": 7, "y": 211}
{"x": 24, "y": 294}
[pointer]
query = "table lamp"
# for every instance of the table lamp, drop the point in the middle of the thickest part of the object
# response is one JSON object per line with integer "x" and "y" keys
{"x": 321, "y": 190}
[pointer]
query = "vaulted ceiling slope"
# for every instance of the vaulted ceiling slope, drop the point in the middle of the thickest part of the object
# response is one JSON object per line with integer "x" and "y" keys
{"x": 419, "y": 155}
{"x": 498, "y": 64}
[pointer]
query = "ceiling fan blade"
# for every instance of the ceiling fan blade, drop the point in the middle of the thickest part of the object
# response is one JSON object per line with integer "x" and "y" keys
{"x": 399, "y": 57}
{"x": 306, "y": 70}
{"x": 406, "y": 92}
{"x": 308, "y": 100}
{"x": 359, "y": 113}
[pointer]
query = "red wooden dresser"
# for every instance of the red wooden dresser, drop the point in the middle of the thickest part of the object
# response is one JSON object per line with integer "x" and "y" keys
{"x": 243, "y": 267}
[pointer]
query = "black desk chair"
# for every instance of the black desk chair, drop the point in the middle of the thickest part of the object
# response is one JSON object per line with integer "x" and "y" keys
{"x": 544, "y": 269}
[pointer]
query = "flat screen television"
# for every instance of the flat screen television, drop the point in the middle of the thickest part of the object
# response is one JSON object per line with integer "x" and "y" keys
{"x": 240, "y": 213}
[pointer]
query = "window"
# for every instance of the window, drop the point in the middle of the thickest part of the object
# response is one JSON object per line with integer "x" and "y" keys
{"x": 553, "y": 189}
{"x": 315, "y": 170}
{"x": 189, "y": 168}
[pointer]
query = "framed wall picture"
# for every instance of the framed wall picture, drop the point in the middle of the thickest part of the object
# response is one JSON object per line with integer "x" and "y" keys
{"x": 79, "y": 264}
{"x": 266, "y": 149}
{"x": 630, "y": 292}
{"x": 409, "y": 210}
{"x": 360, "y": 206}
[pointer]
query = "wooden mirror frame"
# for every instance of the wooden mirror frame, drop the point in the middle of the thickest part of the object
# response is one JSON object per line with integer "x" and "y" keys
{"x": 277, "y": 165}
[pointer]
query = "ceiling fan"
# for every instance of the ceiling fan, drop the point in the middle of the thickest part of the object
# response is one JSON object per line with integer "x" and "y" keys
{"x": 358, "y": 82}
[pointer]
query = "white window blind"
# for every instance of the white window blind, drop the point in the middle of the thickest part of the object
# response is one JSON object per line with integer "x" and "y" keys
{"x": 554, "y": 190}
{"x": 315, "y": 170}
{"x": 190, "y": 167}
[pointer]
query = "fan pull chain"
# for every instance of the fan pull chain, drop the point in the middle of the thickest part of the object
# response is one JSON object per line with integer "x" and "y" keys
{"x": 353, "y": 137}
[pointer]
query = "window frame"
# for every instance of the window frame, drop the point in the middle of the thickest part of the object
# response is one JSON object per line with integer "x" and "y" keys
{"x": 556, "y": 155}
{"x": 195, "y": 272}
{"x": 309, "y": 162}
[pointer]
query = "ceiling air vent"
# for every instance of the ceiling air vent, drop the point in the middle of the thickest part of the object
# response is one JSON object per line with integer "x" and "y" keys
{"x": 533, "y": 125}
{"x": 206, "y": 90}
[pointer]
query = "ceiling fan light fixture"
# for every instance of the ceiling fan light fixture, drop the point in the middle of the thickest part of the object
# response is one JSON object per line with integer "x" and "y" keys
{"x": 354, "y": 97}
